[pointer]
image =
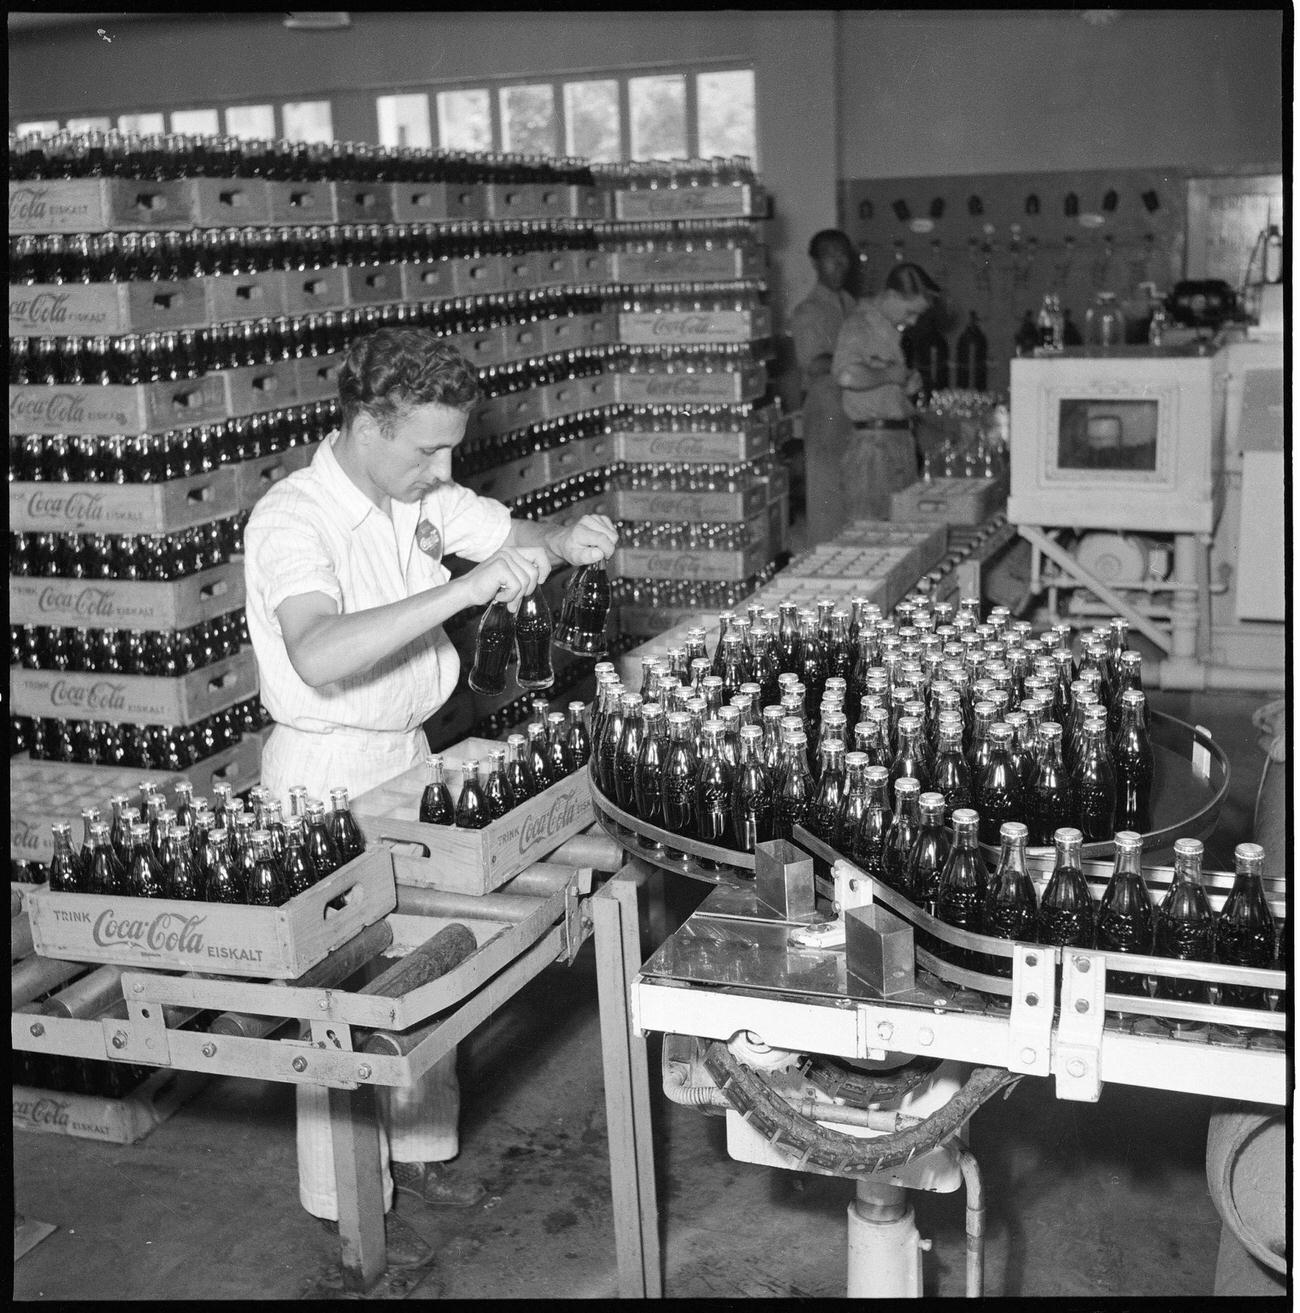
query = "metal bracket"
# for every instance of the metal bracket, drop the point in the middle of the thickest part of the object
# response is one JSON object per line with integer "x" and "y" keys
{"x": 853, "y": 888}
{"x": 1033, "y": 994}
{"x": 879, "y": 950}
{"x": 783, "y": 880}
{"x": 577, "y": 921}
{"x": 141, "y": 1038}
{"x": 326, "y": 1034}
{"x": 1077, "y": 1061}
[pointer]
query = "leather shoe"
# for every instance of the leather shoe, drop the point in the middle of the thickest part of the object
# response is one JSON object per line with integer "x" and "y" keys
{"x": 437, "y": 1185}
{"x": 405, "y": 1248}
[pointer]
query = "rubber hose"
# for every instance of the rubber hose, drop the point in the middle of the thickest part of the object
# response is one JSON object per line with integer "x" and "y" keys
{"x": 862, "y": 1089}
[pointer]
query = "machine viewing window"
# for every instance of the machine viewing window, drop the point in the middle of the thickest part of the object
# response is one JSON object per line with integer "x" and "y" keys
{"x": 1107, "y": 435}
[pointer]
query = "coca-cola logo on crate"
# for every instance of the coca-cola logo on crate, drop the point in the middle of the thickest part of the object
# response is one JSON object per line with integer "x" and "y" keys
{"x": 39, "y": 406}
{"x": 685, "y": 326}
{"x": 535, "y": 830}
{"x": 168, "y": 932}
{"x": 86, "y": 603}
{"x": 43, "y": 1111}
{"x": 52, "y": 308}
{"x": 24, "y": 836}
{"x": 102, "y": 695}
{"x": 83, "y": 507}
{"x": 35, "y": 205}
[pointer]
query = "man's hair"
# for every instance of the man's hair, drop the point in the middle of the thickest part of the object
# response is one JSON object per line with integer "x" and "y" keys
{"x": 911, "y": 281}
{"x": 389, "y": 372}
{"x": 831, "y": 237}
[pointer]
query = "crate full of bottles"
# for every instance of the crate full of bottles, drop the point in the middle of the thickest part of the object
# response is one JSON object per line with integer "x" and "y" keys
{"x": 95, "y": 309}
{"x": 116, "y": 408}
{"x": 167, "y": 507}
{"x": 254, "y": 477}
{"x": 105, "y": 1108}
{"x": 653, "y": 328}
{"x": 955, "y": 500}
{"x": 487, "y": 812}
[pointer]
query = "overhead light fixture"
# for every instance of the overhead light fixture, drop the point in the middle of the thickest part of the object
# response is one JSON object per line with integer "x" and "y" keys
{"x": 318, "y": 22}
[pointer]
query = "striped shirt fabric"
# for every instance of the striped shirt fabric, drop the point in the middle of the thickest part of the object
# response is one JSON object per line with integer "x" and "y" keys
{"x": 317, "y": 532}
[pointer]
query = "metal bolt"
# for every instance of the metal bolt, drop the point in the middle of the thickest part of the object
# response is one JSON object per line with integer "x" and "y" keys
{"x": 209, "y": 1050}
{"x": 37, "y": 1029}
{"x": 323, "y": 1004}
{"x": 1031, "y": 959}
{"x": 924, "y": 1245}
{"x": 363, "y": 1072}
{"x": 926, "y": 1035}
{"x": 587, "y": 924}
{"x": 1075, "y": 1067}
{"x": 1081, "y": 1005}
{"x": 119, "y": 1040}
{"x": 1028, "y": 1056}
{"x": 299, "y": 1064}
{"x": 1081, "y": 965}
{"x": 885, "y": 1029}
{"x": 138, "y": 987}
{"x": 1031, "y": 1000}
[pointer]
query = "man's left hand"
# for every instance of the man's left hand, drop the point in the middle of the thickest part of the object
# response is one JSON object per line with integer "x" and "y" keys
{"x": 588, "y": 540}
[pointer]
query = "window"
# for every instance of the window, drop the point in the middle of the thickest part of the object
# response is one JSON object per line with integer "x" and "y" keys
{"x": 140, "y": 123}
{"x": 251, "y": 122}
{"x": 528, "y": 120}
{"x": 92, "y": 125}
{"x": 197, "y": 122}
{"x": 465, "y": 120}
{"x": 591, "y": 120}
{"x": 658, "y": 109}
{"x": 725, "y": 107}
{"x": 308, "y": 120}
{"x": 404, "y": 121}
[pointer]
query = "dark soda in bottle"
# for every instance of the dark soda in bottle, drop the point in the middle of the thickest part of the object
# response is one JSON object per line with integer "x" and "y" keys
{"x": 998, "y": 786}
{"x": 1245, "y": 934}
{"x": 343, "y": 827}
{"x": 648, "y": 768}
{"x": 1065, "y": 913}
{"x": 584, "y": 611}
{"x": 753, "y": 806}
{"x": 263, "y": 886}
{"x": 495, "y": 787}
{"x": 64, "y": 874}
{"x": 1048, "y": 802}
{"x": 962, "y": 886}
{"x": 677, "y": 786}
{"x": 1134, "y": 762}
{"x": 523, "y": 784}
{"x": 496, "y": 633}
{"x": 902, "y": 837}
{"x": 321, "y": 846}
{"x": 1125, "y": 917}
{"x": 713, "y": 788}
{"x": 1184, "y": 926}
{"x": 926, "y": 861}
{"x": 1010, "y": 909}
{"x": 533, "y": 631}
{"x": 1092, "y": 783}
{"x": 823, "y": 813}
{"x": 472, "y": 811}
{"x": 435, "y": 802}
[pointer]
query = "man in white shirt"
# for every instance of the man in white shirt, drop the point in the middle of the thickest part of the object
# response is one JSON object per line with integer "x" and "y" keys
{"x": 346, "y": 598}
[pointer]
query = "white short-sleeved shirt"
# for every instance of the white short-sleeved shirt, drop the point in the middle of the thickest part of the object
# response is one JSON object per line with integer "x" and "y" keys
{"x": 317, "y": 532}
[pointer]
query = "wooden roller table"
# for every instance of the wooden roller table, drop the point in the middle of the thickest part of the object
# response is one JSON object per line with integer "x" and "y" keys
{"x": 355, "y": 1040}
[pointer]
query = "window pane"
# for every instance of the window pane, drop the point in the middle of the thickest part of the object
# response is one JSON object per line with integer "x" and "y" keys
{"x": 591, "y": 124}
{"x": 726, "y": 113}
{"x": 43, "y": 127}
{"x": 404, "y": 121}
{"x": 528, "y": 120}
{"x": 197, "y": 122}
{"x": 91, "y": 125}
{"x": 308, "y": 120}
{"x": 658, "y": 109}
{"x": 251, "y": 122}
{"x": 140, "y": 123}
{"x": 465, "y": 120}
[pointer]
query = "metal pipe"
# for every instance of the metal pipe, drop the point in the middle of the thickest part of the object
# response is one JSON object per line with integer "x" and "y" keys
{"x": 34, "y": 976}
{"x": 596, "y": 850}
{"x": 417, "y": 900}
{"x": 970, "y": 1172}
{"x": 20, "y": 937}
{"x": 89, "y": 996}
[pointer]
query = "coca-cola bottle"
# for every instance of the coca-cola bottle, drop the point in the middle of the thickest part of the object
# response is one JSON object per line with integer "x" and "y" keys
{"x": 222, "y": 883}
{"x": 523, "y": 783}
{"x": 576, "y": 736}
{"x": 910, "y": 761}
{"x": 605, "y": 751}
{"x": 1245, "y": 933}
{"x": 471, "y": 806}
{"x": 998, "y": 786}
{"x": 263, "y": 886}
{"x": 1125, "y": 917}
{"x": 753, "y": 805}
{"x": 1134, "y": 761}
{"x": 435, "y": 802}
{"x": 903, "y": 833}
{"x": 1010, "y": 907}
{"x": 866, "y": 847}
{"x": 492, "y": 648}
{"x": 495, "y": 787}
{"x": 951, "y": 769}
{"x": 144, "y": 879}
{"x": 712, "y": 788}
{"x": 273, "y": 823}
{"x": 103, "y": 874}
{"x": 648, "y": 766}
{"x": 537, "y": 758}
{"x": 64, "y": 872}
{"x": 927, "y": 859}
{"x": 296, "y": 868}
{"x": 983, "y": 716}
{"x": 183, "y": 880}
{"x": 343, "y": 827}
{"x": 822, "y": 816}
{"x": 627, "y": 750}
{"x": 322, "y": 847}
{"x": 533, "y": 630}
{"x": 1184, "y": 922}
{"x": 1065, "y": 913}
{"x": 1092, "y": 784}
{"x": 584, "y": 611}
{"x": 677, "y": 785}
{"x": 1048, "y": 803}
{"x": 184, "y": 791}
{"x": 558, "y": 756}
{"x": 963, "y": 884}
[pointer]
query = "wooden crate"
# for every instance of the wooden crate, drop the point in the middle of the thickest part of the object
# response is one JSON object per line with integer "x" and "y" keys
{"x": 480, "y": 276}
{"x": 730, "y": 202}
{"x": 251, "y": 389}
{"x": 318, "y": 377}
{"x": 471, "y": 861}
{"x": 515, "y": 479}
{"x": 701, "y": 563}
{"x": 363, "y": 202}
{"x": 650, "y": 446}
{"x": 314, "y": 291}
{"x": 649, "y": 504}
{"x": 655, "y": 621}
{"x": 572, "y": 396}
{"x": 229, "y": 202}
{"x": 528, "y": 200}
{"x": 564, "y": 333}
{"x": 592, "y": 266}
{"x": 950, "y": 501}
{"x": 116, "y": 408}
{"x": 571, "y": 458}
{"x": 254, "y": 477}
{"x": 487, "y": 347}
{"x": 373, "y": 284}
{"x": 246, "y": 296}
{"x": 301, "y": 202}
{"x": 96, "y": 205}
{"x": 429, "y": 280}
{"x": 665, "y": 327}
{"x": 135, "y": 699}
{"x": 114, "y": 1121}
{"x": 589, "y": 202}
{"x": 264, "y": 943}
{"x": 123, "y": 507}
{"x": 719, "y": 387}
{"x": 433, "y": 202}
{"x": 722, "y": 265}
{"x": 92, "y": 309}
{"x": 123, "y": 604}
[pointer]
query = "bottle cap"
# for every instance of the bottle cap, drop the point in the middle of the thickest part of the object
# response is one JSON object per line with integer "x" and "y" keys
{"x": 1128, "y": 839}
{"x": 1013, "y": 831}
{"x": 1066, "y": 835}
{"x": 1188, "y": 848}
{"x": 877, "y": 774}
{"x": 932, "y": 801}
{"x": 905, "y": 786}
{"x": 1249, "y": 852}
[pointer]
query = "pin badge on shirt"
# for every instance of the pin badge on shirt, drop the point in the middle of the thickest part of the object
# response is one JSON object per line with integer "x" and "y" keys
{"x": 428, "y": 540}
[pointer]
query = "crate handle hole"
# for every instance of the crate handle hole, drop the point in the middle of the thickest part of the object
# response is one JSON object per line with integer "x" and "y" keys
{"x": 341, "y": 902}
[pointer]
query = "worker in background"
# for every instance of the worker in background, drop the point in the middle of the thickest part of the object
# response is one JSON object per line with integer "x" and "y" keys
{"x": 878, "y": 390}
{"x": 347, "y": 594}
{"x": 815, "y": 322}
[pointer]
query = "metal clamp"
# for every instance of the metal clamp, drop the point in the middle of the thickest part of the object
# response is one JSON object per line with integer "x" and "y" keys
{"x": 141, "y": 1038}
{"x": 1077, "y": 1060}
{"x": 1033, "y": 982}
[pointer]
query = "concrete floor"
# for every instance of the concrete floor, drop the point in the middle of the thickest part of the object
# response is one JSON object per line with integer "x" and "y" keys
{"x": 1083, "y": 1200}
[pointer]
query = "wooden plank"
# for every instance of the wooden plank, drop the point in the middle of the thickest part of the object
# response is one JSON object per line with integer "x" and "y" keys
{"x": 354, "y": 1134}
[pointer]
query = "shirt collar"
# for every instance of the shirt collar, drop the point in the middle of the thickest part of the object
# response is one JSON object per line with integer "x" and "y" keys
{"x": 352, "y": 502}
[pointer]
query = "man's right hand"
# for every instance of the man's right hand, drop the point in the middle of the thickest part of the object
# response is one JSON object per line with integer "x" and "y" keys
{"x": 506, "y": 576}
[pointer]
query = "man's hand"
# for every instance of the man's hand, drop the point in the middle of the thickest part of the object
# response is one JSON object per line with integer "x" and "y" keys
{"x": 508, "y": 575}
{"x": 590, "y": 539}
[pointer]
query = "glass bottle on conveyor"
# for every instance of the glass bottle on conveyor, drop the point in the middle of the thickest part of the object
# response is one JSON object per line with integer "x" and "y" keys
{"x": 648, "y": 766}
{"x": 821, "y": 818}
{"x": 753, "y": 806}
{"x": 1066, "y": 910}
{"x": 1245, "y": 933}
{"x": 902, "y": 837}
{"x": 927, "y": 859}
{"x": 677, "y": 786}
{"x": 712, "y": 788}
{"x": 997, "y": 787}
{"x": 1133, "y": 759}
{"x": 1010, "y": 907}
{"x": 962, "y": 886}
{"x": 1125, "y": 916}
{"x": 866, "y": 847}
{"x": 1184, "y": 923}
{"x": 576, "y": 735}
{"x": 436, "y": 807}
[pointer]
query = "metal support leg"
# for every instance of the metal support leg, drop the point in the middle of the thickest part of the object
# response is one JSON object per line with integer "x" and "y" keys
{"x": 615, "y": 915}
{"x": 884, "y": 1247}
{"x": 354, "y": 1126}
